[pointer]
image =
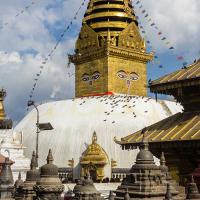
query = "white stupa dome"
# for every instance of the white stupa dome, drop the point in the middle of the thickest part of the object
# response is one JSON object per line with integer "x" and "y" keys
{"x": 75, "y": 120}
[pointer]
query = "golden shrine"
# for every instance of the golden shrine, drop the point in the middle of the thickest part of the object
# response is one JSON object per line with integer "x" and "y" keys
{"x": 110, "y": 54}
{"x": 179, "y": 135}
{"x": 94, "y": 160}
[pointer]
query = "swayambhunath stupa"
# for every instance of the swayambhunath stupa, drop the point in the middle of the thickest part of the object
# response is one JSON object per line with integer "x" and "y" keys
{"x": 111, "y": 91}
{"x": 113, "y": 140}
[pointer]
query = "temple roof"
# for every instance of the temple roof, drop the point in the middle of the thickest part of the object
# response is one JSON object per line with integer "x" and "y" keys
{"x": 187, "y": 74}
{"x": 179, "y": 127}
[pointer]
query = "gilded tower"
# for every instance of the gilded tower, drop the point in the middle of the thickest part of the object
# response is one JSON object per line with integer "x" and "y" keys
{"x": 110, "y": 54}
{"x": 2, "y": 111}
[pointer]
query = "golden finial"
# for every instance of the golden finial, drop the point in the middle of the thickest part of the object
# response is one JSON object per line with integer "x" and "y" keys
{"x": 94, "y": 138}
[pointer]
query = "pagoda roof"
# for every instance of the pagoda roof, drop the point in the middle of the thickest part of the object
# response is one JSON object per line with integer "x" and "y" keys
{"x": 178, "y": 78}
{"x": 179, "y": 127}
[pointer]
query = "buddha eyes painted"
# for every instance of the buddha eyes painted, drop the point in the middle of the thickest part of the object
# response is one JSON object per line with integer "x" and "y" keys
{"x": 134, "y": 76}
{"x": 128, "y": 77}
{"x": 85, "y": 77}
{"x": 95, "y": 75}
{"x": 90, "y": 78}
{"x": 122, "y": 74}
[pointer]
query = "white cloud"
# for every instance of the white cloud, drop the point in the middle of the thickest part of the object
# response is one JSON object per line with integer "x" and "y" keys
{"x": 12, "y": 57}
{"x": 29, "y": 38}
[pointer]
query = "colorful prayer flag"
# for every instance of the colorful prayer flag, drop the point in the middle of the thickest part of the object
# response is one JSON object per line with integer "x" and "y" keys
{"x": 180, "y": 58}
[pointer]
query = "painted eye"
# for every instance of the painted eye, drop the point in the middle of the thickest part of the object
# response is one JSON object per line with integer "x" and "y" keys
{"x": 95, "y": 76}
{"x": 134, "y": 76}
{"x": 85, "y": 77}
{"x": 122, "y": 74}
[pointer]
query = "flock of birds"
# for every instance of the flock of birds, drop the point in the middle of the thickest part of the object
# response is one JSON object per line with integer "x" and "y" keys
{"x": 125, "y": 103}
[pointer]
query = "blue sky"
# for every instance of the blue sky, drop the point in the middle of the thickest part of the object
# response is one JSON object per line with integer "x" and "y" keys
{"x": 28, "y": 38}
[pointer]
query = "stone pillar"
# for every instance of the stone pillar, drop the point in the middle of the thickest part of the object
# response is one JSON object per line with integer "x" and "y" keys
{"x": 49, "y": 187}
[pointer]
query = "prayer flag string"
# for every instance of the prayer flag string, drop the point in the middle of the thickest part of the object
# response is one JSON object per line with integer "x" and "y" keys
{"x": 4, "y": 24}
{"x": 47, "y": 58}
{"x": 160, "y": 34}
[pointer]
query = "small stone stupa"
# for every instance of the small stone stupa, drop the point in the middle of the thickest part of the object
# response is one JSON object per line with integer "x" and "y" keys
{"x": 85, "y": 190}
{"x": 32, "y": 176}
{"x": 18, "y": 185}
{"x": 192, "y": 190}
{"x": 49, "y": 187}
{"x": 6, "y": 181}
{"x": 145, "y": 179}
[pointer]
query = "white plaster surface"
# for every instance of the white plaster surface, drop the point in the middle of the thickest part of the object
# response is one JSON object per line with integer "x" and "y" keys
{"x": 75, "y": 120}
{"x": 11, "y": 146}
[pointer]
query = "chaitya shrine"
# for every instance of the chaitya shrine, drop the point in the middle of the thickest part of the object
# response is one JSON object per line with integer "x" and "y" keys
{"x": 179, "y": 135}
{"x": 94, "y": 160}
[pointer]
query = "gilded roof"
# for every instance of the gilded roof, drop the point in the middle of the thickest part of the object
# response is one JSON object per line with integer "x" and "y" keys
{"x": 94, "y": 153}
{"x": 179, "y": 127}
{"x": 186, "y": 73}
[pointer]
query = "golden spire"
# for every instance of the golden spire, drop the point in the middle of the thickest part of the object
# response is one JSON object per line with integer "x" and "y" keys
{"x": 2, "y": 111}
{"x": 94, "y": 138}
